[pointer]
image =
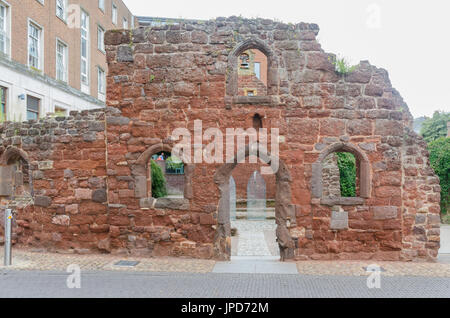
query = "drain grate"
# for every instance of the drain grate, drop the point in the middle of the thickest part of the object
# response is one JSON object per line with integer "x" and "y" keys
{"x": 381, "y": 269}
{"x": 127, "y": 263}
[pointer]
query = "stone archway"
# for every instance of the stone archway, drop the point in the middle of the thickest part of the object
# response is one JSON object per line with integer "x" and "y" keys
{"x": 283, "y": 208}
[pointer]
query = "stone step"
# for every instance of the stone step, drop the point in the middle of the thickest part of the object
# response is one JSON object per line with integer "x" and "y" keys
{"x": 255, "y": 215}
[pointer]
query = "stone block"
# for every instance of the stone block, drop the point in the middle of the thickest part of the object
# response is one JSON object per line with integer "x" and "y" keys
{"x": 385, "y": 212}
{"x": 125, "y": 54}
{"x": 83, "y": 194}
{"x": 99, "y": 196}
{"x": 172, "y": 204}
{"x": 42, "y": 201}
{"x": 45, "y": 165}
{"x": 339, "y": 220}
{"x": 63, "y": 220}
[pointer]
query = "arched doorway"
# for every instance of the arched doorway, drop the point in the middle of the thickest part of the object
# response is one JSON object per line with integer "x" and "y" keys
{"x": 283, "y": 208}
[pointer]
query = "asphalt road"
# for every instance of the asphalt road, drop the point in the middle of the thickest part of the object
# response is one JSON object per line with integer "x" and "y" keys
{"x": 15, "y": 284}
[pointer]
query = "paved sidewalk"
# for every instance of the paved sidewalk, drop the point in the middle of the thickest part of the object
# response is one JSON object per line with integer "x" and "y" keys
{"x": 211, "y": 285}
{"x": 445, "y": 239}
{"x": 255, "y": 265}
{"x": 43, "y": 261}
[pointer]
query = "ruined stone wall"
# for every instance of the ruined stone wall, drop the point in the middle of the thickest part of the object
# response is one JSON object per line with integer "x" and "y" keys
{"x": 166, "y": 77}
{"x": 331, "y": 177}
{"x": 421, "y": 199}
{"x": 67, "y": 160}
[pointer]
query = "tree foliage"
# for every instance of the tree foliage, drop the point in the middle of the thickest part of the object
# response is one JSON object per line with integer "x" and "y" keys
{"x": 159, "y": 189}
{"x": 435, "y": 127}
{"x": 173, "y": 163}
{"x": 440, "y": 162}
{"x": 347, "y": 172}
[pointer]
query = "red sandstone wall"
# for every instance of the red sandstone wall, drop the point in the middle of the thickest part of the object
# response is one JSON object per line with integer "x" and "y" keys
{"x": 67, "y": 160}
{"x": 314, "y": 108}
{"x": 168, "y": 76}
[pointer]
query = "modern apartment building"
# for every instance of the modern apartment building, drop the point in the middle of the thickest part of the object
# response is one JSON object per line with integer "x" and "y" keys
{"x": 52, "y": 55}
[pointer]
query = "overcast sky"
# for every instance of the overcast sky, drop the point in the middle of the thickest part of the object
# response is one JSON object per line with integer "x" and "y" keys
{"x": 411, "y": 39}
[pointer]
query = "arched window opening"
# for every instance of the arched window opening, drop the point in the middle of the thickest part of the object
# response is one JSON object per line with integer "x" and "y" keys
{"x": 257, "y": 122}
{"x": 341, "y": 175}
{"x": 252, "y": 73}
{"x": 166, "y": 177}
{"x": 21, "y": 179}
{"x": 15, "y": 175}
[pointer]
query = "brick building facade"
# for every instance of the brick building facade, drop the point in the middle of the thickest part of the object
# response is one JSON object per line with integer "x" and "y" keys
{"x": 41, "y": 54}
{"x": 90, "y": 170}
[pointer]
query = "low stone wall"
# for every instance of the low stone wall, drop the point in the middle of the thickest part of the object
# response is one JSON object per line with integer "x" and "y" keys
{"x": 67, "y": 162}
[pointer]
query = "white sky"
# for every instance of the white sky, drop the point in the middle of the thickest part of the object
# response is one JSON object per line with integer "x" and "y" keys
{"x": 411, "y": 39}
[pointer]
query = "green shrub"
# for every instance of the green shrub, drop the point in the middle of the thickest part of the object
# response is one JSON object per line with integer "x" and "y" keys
{"x": 440, "y": 162}
{"x": 159, "y": 189}
{"x": 347, "y": 172}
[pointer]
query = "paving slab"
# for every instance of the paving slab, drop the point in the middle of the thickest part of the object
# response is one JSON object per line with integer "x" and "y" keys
{"x": 445, "y": 239}
{"x": 254, "y": 238}
{"x": 255, "y": 265}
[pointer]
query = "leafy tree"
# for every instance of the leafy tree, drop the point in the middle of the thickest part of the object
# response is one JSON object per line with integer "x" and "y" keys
{"x": 159, "y": 189}
{"x": 418, "y": 122}
{"x": 173, "y": 163}
{"x": 440, "y": 162}
{"x": 435, "y": 127}
{"x": 347, "y": 171}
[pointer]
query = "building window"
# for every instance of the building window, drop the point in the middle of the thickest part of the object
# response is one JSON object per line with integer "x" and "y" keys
{"x": 101, "y": 84}
{"x": 61, "y": 9}
{"x": 3, "y": 91}
{"x": 101, "y": 5}
{"x": 33, "y": 104}
{"x": 244, "y": 61}
{"x": 125, "y": 23}
{"x": 101, "y": 39}
{"x": 258, "y": 70}
{"x": 114, "y": 14}
{"x": 61, "y": 61}
{"x": 34, "y": 46}
{"x": 84, "y": 48}
{"x": 4, "y": 29}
